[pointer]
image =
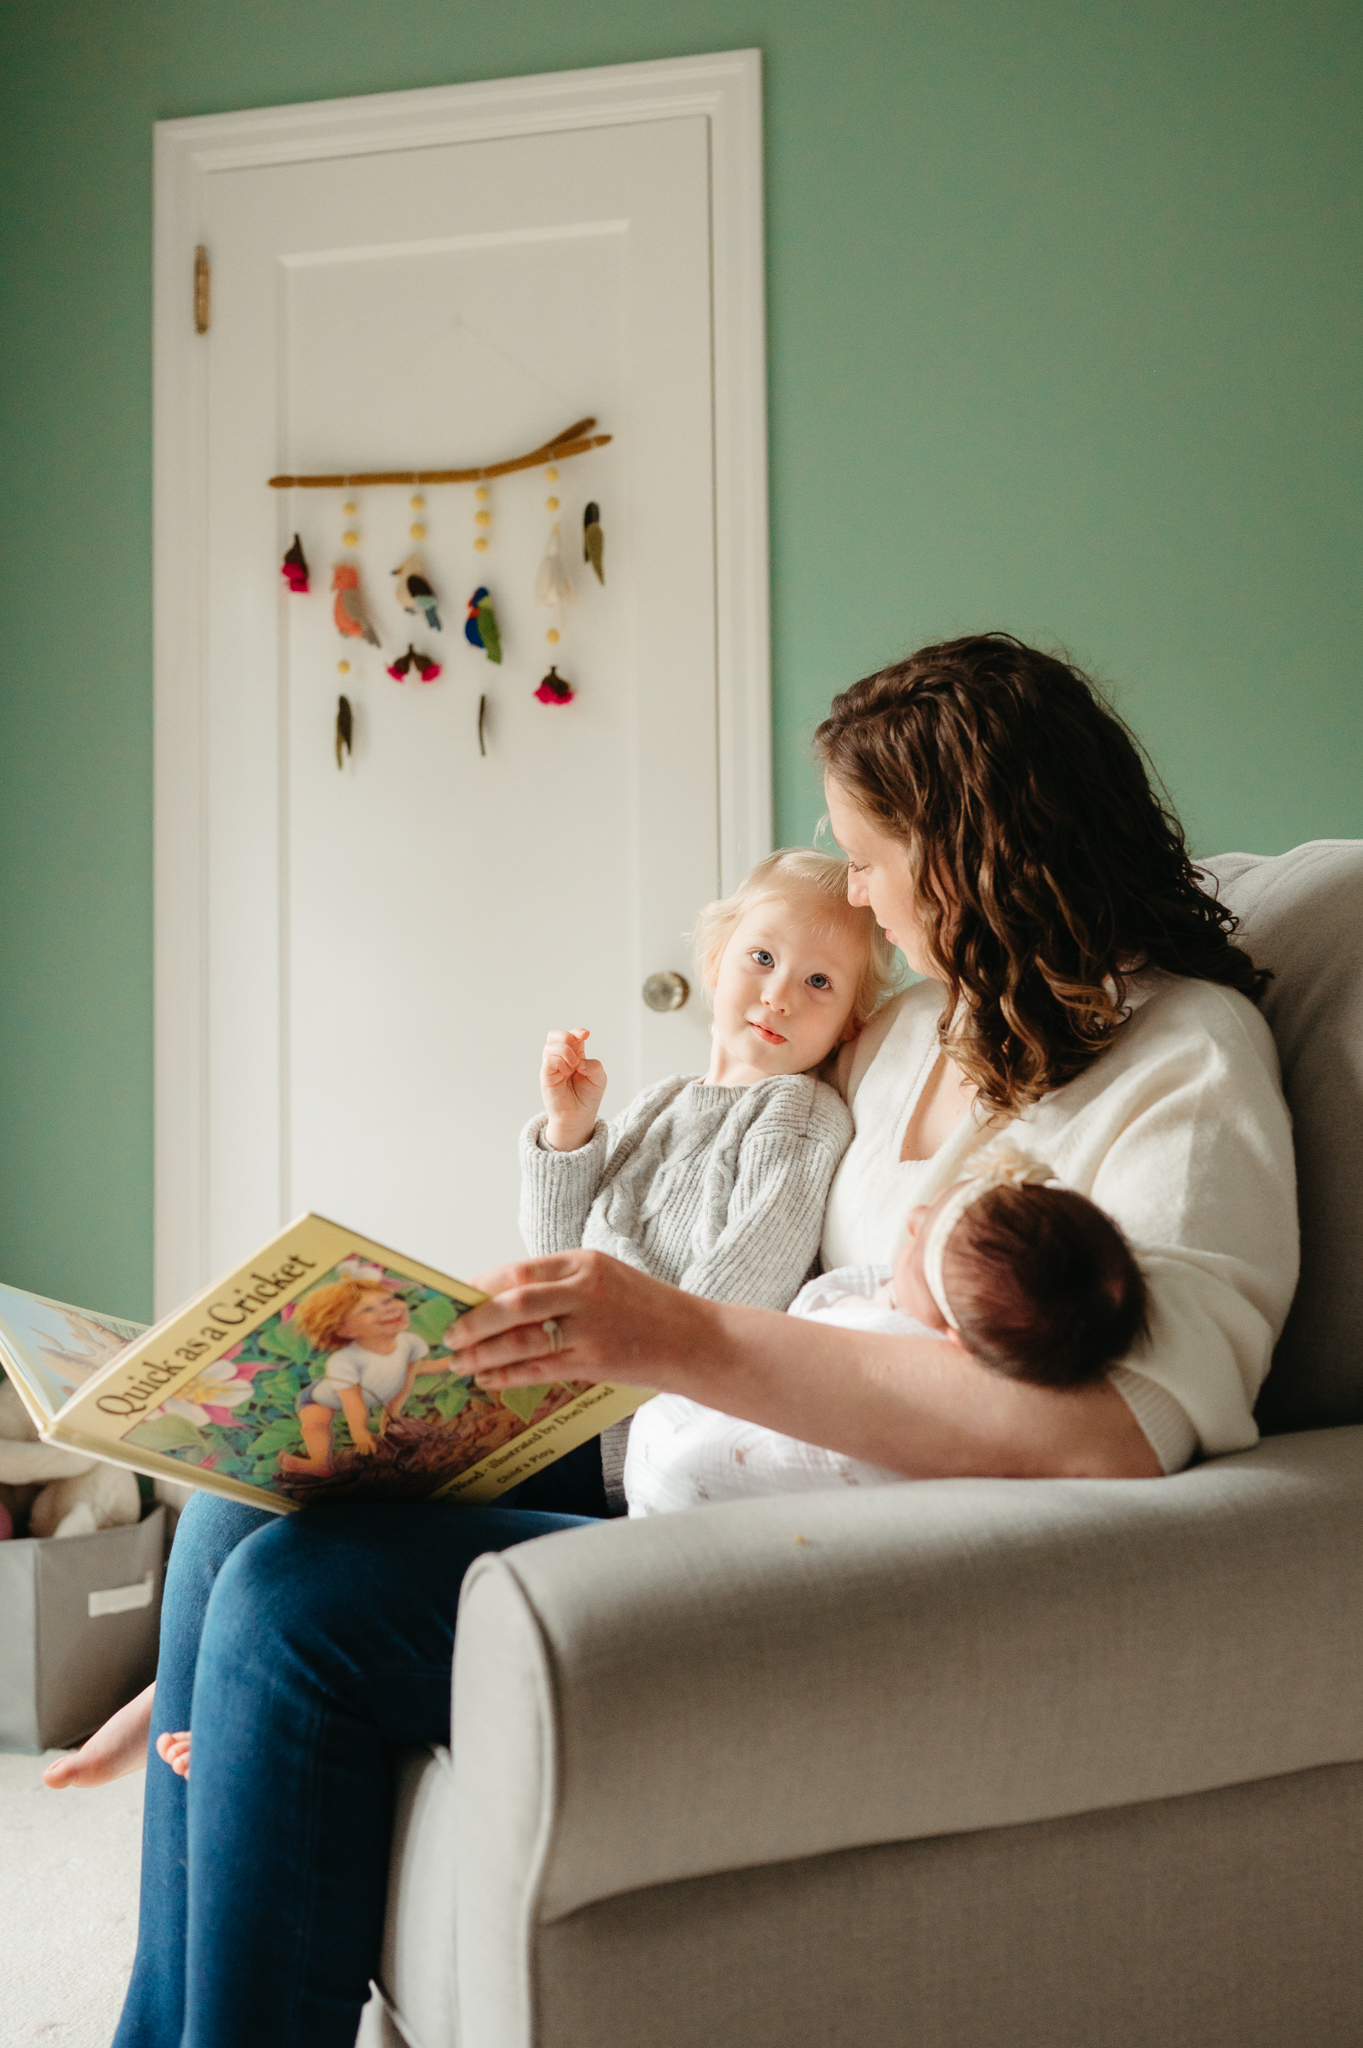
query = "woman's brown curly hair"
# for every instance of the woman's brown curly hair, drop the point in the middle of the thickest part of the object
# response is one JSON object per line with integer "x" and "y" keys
{"x": 1049, "y": 866}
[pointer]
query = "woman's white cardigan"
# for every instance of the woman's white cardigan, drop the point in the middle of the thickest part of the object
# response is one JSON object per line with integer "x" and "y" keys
{"x": 1179, "y": 1131}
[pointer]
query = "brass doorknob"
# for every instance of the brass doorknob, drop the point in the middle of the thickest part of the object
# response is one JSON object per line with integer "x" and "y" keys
{"x": 666, "y": 991}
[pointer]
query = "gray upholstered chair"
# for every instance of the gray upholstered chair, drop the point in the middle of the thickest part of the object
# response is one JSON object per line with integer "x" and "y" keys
{"x": 976, "y": 1763}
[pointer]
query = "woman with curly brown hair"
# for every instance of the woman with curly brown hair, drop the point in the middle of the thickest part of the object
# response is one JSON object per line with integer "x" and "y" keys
{"x": 1081, "y": 990}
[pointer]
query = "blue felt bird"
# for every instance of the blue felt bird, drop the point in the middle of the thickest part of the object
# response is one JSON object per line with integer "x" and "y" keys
{"x": 414, "y": 592}
{"x": 480, "y": 627}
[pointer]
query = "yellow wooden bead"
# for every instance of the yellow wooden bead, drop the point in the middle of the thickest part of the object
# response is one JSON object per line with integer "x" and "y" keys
{"x": 348, "y": 507}
{"x": 552, "y": 504}
{"x": 482, "y": 519}
{"x": 418, "y": 531}
{"x": 552, "y": 475}
{"x": 552, "y": 636}
{"x": 350, "y": 537}
{"x": 481, "y": 494}
{"x": 344, "y": 667}
{"x": 480, "y": 544}
{"x": 417, "y": 502}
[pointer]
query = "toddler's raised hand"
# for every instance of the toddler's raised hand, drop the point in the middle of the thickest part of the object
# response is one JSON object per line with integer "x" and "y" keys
{"x": 572, "y": 1087}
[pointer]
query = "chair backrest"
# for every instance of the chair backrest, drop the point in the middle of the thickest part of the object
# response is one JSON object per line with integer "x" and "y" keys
{"x": 1302, "y": 916}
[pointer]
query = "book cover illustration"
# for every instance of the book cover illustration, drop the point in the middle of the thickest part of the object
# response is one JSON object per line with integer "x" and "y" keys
{"x": 48, "y": 1348}
{"x": 322, "y": 1372}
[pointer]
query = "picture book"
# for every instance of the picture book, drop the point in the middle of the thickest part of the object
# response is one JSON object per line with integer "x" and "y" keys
{"x": 318, "y": 1371}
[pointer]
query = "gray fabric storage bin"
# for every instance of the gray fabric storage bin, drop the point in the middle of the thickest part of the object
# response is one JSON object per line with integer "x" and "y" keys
{"x": 79, "y": 1621}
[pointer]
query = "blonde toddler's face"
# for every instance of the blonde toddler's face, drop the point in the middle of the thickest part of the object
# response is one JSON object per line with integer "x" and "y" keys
{"x": 785, "y": 985}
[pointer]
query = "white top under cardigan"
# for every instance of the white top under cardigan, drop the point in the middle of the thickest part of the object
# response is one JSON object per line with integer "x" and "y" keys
{"x": 1179, "y": 1131}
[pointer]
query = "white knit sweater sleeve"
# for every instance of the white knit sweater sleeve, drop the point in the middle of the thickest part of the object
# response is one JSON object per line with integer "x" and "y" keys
{"x": 558, "y": 1189}
{"x": 771, "y": 1231}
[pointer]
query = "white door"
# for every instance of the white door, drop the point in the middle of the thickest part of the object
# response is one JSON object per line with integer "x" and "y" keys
{"x": 381, "y": 946}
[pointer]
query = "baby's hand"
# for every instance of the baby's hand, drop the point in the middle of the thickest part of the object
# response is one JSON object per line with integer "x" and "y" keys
{"x": 572, "y": 1087}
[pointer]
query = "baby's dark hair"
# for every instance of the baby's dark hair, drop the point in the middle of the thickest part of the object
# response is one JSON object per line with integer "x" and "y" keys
{"x": 1044, "y": 1286}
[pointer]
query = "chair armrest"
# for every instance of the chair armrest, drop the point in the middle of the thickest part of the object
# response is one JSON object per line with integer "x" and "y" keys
{"x": 654, "y": 1700}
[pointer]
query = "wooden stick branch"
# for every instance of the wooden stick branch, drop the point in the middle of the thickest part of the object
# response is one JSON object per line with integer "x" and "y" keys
{"x": 574, "y": 440}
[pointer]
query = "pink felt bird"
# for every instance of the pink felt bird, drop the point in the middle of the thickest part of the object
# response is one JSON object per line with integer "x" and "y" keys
{"x": 554, "y": 689}
{"x": 352, "y": 621}
{"x": 294, "y": 568}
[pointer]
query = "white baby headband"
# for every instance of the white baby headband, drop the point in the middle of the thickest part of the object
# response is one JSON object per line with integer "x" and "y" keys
{"x": 1001, "y": 1165}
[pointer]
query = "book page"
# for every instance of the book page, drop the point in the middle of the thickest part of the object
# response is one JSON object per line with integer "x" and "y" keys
{"x": 49, "y": 1349}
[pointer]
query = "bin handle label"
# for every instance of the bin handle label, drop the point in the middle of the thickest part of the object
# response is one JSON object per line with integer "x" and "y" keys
{"x": 122, "y": 1599}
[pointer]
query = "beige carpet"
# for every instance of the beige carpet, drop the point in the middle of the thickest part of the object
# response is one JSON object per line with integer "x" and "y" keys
{"x": 68, "y": 1906}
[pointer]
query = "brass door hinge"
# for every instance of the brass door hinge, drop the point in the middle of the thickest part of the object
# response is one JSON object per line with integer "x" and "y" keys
{"x": 202, "y": 281}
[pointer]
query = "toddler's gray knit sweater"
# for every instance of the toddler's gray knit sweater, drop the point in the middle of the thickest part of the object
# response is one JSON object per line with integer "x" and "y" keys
{"x": 717, "y": 1190}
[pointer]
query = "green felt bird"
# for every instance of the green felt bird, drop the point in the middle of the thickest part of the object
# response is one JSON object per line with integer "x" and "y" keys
{"x": 480, "y": 627}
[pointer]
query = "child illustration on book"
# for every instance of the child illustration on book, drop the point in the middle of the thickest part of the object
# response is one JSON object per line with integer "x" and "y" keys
{"x": 373, "y": 1363}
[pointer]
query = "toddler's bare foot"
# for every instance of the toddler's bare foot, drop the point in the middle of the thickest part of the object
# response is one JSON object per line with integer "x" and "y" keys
{"x": 174, "y": 1750}
{"x": 290, "y": 1462}
{"x": 115, "y": 1749}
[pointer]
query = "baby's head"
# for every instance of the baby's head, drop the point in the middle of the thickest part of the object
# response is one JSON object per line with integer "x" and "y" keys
{"x": 350, "y": 1312}
{"x": 791, "y": 968}
{"x": 1031, "y": 1279}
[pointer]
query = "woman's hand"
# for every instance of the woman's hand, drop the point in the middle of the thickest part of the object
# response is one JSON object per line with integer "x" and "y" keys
{"x": 571, "y": 1087}
{"x": 615, "y": 1323}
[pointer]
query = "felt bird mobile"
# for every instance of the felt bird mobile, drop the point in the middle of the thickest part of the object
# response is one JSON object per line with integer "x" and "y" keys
{"x": 553, "y": 585}
{"x": 294, "y": 568}
{"x": 594, "y": 541}
{"x": 427, "y": 670}
{"x": 480, "y": 627}
{"x": 553, "y": 689}
{"x": 345, "y": 730}
{"x": 414, "y": 592}
{"x": 352, "y": 622}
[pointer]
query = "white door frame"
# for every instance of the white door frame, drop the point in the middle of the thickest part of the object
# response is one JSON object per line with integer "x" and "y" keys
{"x": 726, "y": 89}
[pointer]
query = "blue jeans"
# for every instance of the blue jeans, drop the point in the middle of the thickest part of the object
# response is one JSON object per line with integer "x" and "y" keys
{"x": 303, "y": 1652}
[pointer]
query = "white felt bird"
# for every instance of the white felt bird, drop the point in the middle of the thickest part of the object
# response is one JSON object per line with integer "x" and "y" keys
{"x": 553, "y": 584}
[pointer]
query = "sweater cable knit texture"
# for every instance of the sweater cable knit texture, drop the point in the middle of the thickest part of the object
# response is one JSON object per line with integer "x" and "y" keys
{"x": 717, "y": 1190}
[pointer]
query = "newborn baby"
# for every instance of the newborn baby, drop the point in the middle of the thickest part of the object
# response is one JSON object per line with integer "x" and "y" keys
{"x": 1030, "y": 1279}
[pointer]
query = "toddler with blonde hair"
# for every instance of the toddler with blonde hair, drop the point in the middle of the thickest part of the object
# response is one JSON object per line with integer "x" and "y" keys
{"x": 717, "y": 1183}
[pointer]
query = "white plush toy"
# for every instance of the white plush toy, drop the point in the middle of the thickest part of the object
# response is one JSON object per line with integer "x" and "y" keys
{"x": 75, "y": 1495}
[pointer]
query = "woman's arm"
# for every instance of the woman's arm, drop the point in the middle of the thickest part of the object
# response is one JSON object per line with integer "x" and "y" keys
{"x": 913, "y": 1404}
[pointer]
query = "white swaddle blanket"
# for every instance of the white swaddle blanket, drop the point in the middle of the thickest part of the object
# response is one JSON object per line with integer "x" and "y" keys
{"x": 684, "y": 1456}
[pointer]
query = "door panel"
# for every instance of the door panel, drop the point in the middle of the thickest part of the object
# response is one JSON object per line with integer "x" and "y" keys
{"x": 389, "y": 943}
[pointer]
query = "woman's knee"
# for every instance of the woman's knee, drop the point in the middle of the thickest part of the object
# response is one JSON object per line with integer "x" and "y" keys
{"x": 210, "y": 1529}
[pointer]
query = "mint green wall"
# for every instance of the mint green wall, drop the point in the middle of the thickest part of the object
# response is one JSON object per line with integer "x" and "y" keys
{"x": 1064, "y": 321}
